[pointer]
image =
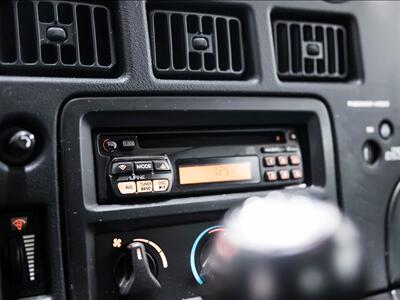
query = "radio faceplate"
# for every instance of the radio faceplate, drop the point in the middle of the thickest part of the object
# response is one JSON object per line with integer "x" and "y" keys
{"x": 155, "y": 165}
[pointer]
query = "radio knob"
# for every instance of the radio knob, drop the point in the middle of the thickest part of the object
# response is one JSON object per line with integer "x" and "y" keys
{"x": 135, "y": 273}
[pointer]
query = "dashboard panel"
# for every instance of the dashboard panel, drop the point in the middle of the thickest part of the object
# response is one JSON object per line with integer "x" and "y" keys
{"x": 257, "y": 96}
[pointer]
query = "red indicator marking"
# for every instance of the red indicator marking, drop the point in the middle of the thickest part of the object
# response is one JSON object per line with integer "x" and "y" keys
{"x": 19, "y": 224}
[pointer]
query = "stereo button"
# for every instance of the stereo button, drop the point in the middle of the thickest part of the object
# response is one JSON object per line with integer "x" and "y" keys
{"x": 295, "y": 160}
{"x": 121, "y": 168}
{"x": 160, "y": 185}
{"x": 284, "y": 174}
{"x": 145, "y": 186}
{"x": 161, "y": 165}
{"x": 127, "y": 187}
{"x": 128, "y": 145}
{"x": 297, "y": 174}
{"x": 282, "y": 160}
{"x": 269, "y": 161}
{"x": 143, "y": 166}
{"x": 271, "y": 176}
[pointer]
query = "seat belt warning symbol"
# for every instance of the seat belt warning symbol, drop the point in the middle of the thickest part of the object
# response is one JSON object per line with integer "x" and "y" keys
{"x": 19, "y": 223}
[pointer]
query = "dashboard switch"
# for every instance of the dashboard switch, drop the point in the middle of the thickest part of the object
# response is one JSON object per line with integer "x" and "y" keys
{"x": 295, "y": 160}
{"x": 160, "y": 185}
{"x": 109, "y": 146}
{"x": 269, "y": 161}
{"x": 271, "y": 176}
{"x": 284, "y": 174}
{"x": 143, "y": 166}
{"x": 122, "y": 168}
{"x": 127, "y": 187}
{"x": 17, "y": 146}
{"x": 161, "y": 165}
{"x": 144, "y": 186}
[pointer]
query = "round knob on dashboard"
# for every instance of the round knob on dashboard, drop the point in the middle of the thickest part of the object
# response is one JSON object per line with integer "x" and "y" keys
{"x": 135, "y": 273}
{"x": 285, "y": 247}
{"x": 17, "y": 145}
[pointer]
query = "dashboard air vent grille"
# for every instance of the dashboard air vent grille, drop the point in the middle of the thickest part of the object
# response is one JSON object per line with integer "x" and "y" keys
{"x": 193, "y": 45}
{"x": 306, "y": 50}
{"x": 50, "y": 38}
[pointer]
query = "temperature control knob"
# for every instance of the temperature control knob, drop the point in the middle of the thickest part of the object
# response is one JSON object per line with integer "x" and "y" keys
{"x": 135, "y": 273}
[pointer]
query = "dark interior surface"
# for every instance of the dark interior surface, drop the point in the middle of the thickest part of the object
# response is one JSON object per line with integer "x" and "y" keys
{"x": 159, "y": 71}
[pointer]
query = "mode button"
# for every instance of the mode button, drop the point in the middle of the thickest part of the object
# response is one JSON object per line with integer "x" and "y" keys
{"x": 143, "y": 166}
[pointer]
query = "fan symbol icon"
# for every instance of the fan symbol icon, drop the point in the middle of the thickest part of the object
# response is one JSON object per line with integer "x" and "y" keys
{"x": 117, "y": 243}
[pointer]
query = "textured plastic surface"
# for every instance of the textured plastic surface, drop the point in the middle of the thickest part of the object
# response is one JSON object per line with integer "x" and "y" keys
{"x": 55, "y": 38}
{"x": 364, "y": 190}
{"x": 194, "y": 45}
{"x": 311, "y": 50}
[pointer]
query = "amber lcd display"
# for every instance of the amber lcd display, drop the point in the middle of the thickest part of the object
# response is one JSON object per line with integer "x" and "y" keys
{"x": 213, "y": 173}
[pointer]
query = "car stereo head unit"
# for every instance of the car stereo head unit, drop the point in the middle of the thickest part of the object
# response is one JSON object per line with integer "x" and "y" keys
{"x": 143, "y": 165}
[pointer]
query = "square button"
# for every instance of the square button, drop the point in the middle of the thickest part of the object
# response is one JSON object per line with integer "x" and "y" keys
{"x": 271, "y": 176}
{"x": 143, "y": 167}
{"x": 160, "y": 185}
{"x": 269, "y": 161}
{"x": 122, "y": 168}
{"x": 282, "y": 160}
{"x": 144, "y": 186}
{"x": 127, "y": 187}
{"x": 297, "y": 174}
{"x": 284, "y": 174}
{"x": 295, "y": 160}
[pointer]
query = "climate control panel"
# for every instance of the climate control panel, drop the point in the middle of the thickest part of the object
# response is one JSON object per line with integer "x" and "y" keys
{"x": 155, "y": 263}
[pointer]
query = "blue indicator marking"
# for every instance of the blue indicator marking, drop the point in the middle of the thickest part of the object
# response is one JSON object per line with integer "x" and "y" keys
{"x": 196, "y": 274}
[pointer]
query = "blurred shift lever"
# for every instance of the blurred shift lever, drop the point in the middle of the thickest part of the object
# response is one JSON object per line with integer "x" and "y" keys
{"x": 285, "y": 247}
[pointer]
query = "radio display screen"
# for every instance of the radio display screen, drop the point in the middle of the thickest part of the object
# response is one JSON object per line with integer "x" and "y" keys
{"x": 225, "y": 170}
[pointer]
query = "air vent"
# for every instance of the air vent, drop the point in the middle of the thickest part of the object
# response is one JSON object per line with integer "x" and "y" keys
{"x": 51, "y": 38}
{"x": 307, "y": 50}
{"x": 193, "y": 45}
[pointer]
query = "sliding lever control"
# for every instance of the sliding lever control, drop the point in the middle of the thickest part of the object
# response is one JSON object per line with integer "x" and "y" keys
{"x": 135, "y": 273}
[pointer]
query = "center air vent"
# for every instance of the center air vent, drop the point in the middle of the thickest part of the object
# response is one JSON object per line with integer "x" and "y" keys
{"x": 193, "y": 45}
{"x": 51, "y": 38}
{"x": 306, "y": 50}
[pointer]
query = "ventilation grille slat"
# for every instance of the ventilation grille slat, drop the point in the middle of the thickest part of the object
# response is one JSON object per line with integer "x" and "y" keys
{"x": 54, "y": 38}
{"x": 194, "y": 45}
{"x": 310, "y": 50}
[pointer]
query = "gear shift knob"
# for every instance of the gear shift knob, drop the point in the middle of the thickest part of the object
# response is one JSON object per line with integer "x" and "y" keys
{"x": 285, "y": 247}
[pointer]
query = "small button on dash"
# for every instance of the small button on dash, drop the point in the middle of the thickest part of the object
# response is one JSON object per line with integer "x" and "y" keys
{"x": 284, "y": 174}
{"x": 295, "y": 160}
{"x": 121, "y": 168}
{"x": 160, "y": 185}
{"x": 271, "y": 176}
{"x": 297, "y": 174}
{"x": 161, "y": 165}
{"x": 128, "y": 145}
{"x": 269, "y": 161}
{"x": 145, "y": 186}
{"x": 282, "y": 160}
{"x": 143, "y": 166}
{"x": 127, "y": 187}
